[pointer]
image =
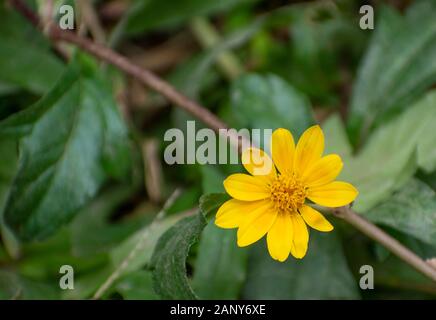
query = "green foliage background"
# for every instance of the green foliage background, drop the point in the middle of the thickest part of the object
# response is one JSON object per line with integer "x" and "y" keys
{"x": 74, "y": 182}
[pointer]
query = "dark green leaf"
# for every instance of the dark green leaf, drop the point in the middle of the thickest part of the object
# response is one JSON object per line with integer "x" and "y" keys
{"x": 8, "y": 166}
{"x": 170, "y": 280}
{"x": 73, "y": 134}
{"x": 220, "y": 265}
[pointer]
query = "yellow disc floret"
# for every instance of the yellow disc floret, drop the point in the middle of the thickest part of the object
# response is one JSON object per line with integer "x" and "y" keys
{"x": 287, "y": 193}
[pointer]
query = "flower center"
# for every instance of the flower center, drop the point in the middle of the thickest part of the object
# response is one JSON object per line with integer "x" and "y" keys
{"x": 287, "y": 193}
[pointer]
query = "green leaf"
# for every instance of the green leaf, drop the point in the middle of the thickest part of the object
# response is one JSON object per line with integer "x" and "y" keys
{"x": 169, "y": 259}
{"x": 210, "y": 203}
{"x": 426, "y": 151}
{"x": 268, "y": 102}
{"x": 88, "y": 283}
{"x": 395, "y": 148}
{"x": 212, "y": 179}
{"x": 149, "y": 236}
{"x": 399, "y": 66}
{"x": 320, "y": 36}
{"x": 137, "y": 286}
{"x": 8, "y": 166}
{"x": 42, "y": 260}
{"x": 36, "y": 72}
{"x": 16, "y": 287}
{"x": 322, "y": 274}
{"x": 220, "y": 266}
{"x": 92, "y": 231}
{"x": 411, "y": 210}
{"x": 390, "y": 271}
{"x": 151, "y": 14}
{"x": 336, "y": 137}
{"x": 72, "y": 136}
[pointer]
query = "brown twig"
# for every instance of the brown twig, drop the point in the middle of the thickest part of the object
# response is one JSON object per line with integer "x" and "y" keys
{"x": 145, "y": 76}
{"x": 151, "y": 80}
{"x": 390, "y": 243}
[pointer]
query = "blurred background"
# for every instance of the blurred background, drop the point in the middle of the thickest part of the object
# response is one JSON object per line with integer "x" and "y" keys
{"x": 83, "y": 180}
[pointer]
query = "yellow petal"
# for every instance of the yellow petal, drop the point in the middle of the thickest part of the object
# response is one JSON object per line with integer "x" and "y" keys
{"x": 324, "y": 171}
{"x": 282, "y": 150}
{"x": 315, "y": 219}
{"x": 245, "y": 187}
{"x": 258, "y": 163}
{"x": 301, "y": 236}
{"x": 233, "y": 212}
{"x": 280, "y": 237}
{"x": 334, "y": 194}
{"x": 309, "y": 149}
{"x": 255, "y": 227}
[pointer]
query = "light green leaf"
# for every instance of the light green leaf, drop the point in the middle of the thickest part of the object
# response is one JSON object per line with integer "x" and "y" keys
{"x": 75, "y": 135}
{"x": 268, "y": 102}
{"x": 322, "y": 274}
{"x": 336, "y": 137}
{"x": 390, "y": 156}
{"x": 411, "y": 210}
{"x": 426, "y": 147}
{"x": 399, "y": 66}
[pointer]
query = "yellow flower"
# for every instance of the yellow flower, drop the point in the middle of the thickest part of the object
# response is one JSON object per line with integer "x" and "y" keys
{"x": 273, "y": 199}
